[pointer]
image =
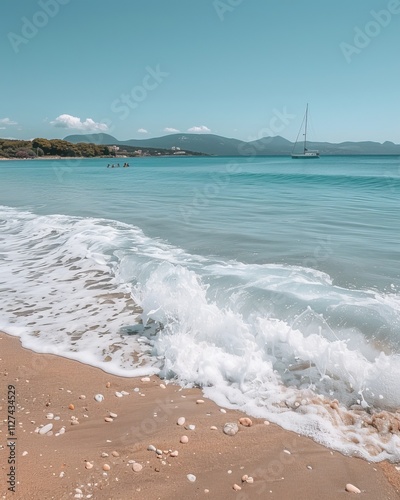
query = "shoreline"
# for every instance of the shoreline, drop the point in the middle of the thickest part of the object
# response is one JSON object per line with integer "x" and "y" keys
{"x": 64, "y": 465}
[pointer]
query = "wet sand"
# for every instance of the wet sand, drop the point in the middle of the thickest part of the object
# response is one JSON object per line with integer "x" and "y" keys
{"x": 69, "y": 465}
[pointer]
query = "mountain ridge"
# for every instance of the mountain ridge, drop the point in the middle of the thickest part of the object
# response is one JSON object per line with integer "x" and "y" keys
{"x": 216, "y": 145}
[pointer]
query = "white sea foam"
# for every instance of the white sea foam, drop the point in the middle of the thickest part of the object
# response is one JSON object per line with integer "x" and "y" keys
{"x": 279, "y": 342}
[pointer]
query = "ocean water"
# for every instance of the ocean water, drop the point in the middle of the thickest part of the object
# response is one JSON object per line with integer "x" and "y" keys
{"x": 274, "y": 284}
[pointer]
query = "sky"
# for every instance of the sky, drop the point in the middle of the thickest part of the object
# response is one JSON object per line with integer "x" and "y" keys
{"x": 237, "y": 68}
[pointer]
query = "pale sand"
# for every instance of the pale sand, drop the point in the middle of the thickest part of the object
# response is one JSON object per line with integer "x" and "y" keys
{"x": 46, "y": 383}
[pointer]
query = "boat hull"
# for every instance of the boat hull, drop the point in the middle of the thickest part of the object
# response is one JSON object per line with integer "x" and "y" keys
{"x": 305, "y": 156}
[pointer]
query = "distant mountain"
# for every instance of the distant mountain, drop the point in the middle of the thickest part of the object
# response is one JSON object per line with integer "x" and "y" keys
{"x": 222, "y": 146}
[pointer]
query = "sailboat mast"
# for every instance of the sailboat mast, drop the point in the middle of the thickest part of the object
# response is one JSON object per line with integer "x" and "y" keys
{"x": 305, "y": 130}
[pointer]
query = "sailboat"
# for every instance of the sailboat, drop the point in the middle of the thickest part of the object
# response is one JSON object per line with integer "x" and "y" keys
{"x": 306, "y": 153}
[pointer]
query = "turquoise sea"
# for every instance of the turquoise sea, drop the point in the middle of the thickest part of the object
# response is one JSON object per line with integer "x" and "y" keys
{"x": 272, "y": 283}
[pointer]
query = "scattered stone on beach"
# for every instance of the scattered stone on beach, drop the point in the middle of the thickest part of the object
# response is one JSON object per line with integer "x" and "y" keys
{"x": 108, "y": 419}
{"x": 106, "y": 467}
{"x": 181, "y": 421}
{"x": 190, "y": 427}
{"x": 118, "y": 394}
{"x": 108, "y": 385}
{"x": 245, "y": 478}
{"x": 71, "y": 407}
{"x": 82, "y": 396}
{"x": 245, "y": 421}
{"x": 222, "y": 410}
{"x": 50, "y": 416}
{"x": 88, "y": 465}
{"x": 45, "y": 429}
{"x": 162, "y": 386}
{"x": 249, "y": 480}
{"x": 104, "y": 454}
{"x": 145, "y": 379}
{"x": 236, "y": 487}
{"x": 266, "y": 422}
{"x": 352, "y": 489}
{"x": 99, "y": 398}
{"x": 24, "y": 453}
{"x": 151, "y": 448}
{"x": 213, "y": 428}
{"x": 137, "y": 467}
{"x": 200, "y": 401}
{"x": 309, "y": 467}
{"x": 159, "y": 452}
{"x": 191, "y": 477}
{"x": 125, "y": 393}
{"x": 184, "y": 439}
{"x": 115, "y": 453}
{"x": 231, "y": 428}
{"x": 174, "y": 453}
{"x": 113, "y": 415}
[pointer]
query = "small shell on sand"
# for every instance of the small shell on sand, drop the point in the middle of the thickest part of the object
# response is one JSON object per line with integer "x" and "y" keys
{"x": 231, "y": 428}
{"x": 45, "y": 429}
{"x": 184, "y": 439}
{"x": 352, "y": 489}
{"x": 88, "y": 465}
{"x": 181, "y": 421}
{"x": 99, "y": 398}
{"x": 106, "y": 467}
{"x": 236, "y": 487}
{"x": 137, "y": 467}
{"x": 200, "y": 401}
{"x": 118, "y": 394}
{"x": 191, "y": 477}
{"x": 190, "y": 427}
{"x": 213, "y": 428}
{"x": 247, "y": 422}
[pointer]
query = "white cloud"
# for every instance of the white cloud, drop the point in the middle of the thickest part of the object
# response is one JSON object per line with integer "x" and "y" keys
{"x": 69, "y": 121}
{"x": 7, "y": 121}
{"x": 142, "y": 131}
{"x": 201, "y": 128}
{"x": 171, "y": 129}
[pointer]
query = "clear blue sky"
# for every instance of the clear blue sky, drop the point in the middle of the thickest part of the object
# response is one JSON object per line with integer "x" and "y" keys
{"x": 229, "y": 66}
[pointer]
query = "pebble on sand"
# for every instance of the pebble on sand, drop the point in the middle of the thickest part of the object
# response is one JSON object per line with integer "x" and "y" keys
{"x": 137, "y": 467}
{"x": 245, "y": 421}
{"x": 236, "y": 487}
{"x": 181, "y": 421}
{"x": 200, "y": 401}
{"x": 88, "y": 465}
{"x": 213, "y": 428}
{"x": 191, "y": 477}
{"x": 106, "y": 467}
{"x": 184, "y": 439}
{"x": 99, "y": 398}
{"x": 231, "y": 428}
{"x": 151, "y": 448}
{"x": 174, "y": 453}
{"x": 352, "y": 489}
{"x": 145, "y": 379}
{"x": 108, "y": 419}
{"x": 71, "y": 407}
{"x": 108, "y": 385}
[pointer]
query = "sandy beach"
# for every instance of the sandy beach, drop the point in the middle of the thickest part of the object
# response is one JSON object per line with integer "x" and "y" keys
{"x": 88, "y": 436}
